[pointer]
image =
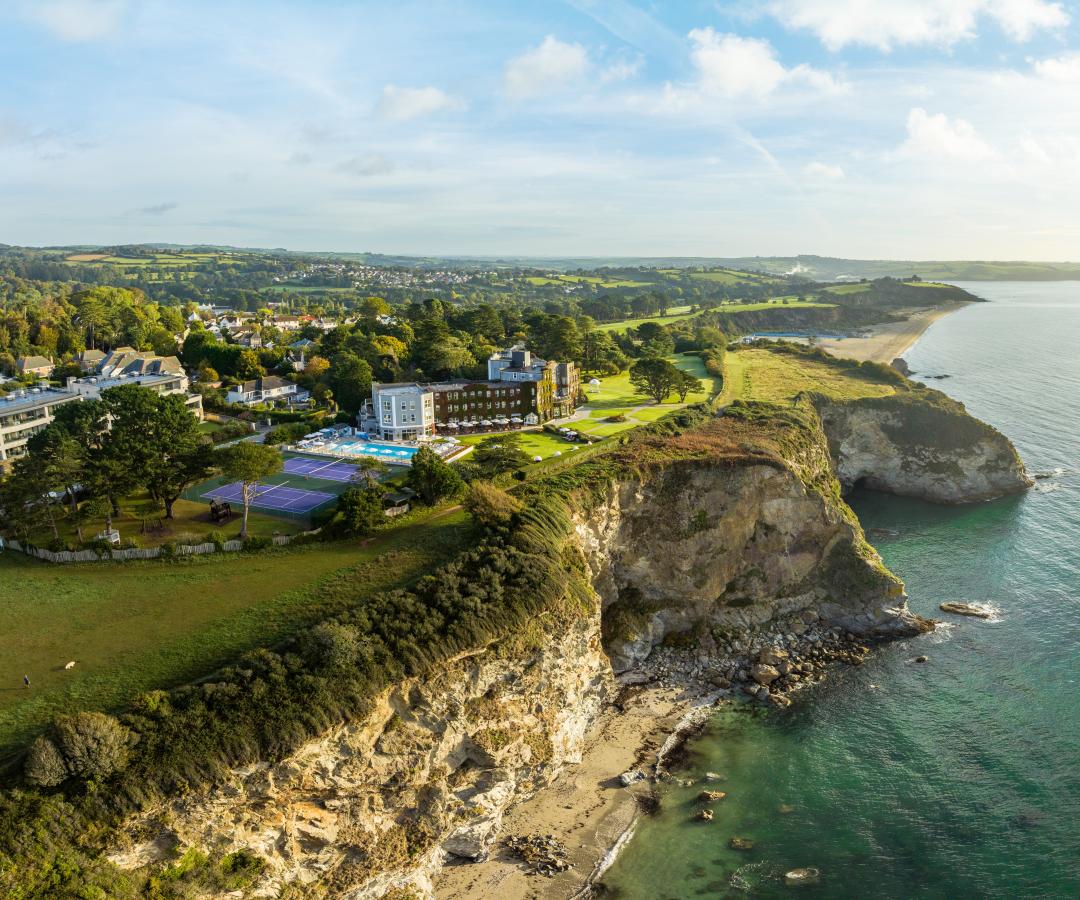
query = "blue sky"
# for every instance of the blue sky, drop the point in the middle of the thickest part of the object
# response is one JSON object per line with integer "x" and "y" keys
{"x": 878, "y": 128}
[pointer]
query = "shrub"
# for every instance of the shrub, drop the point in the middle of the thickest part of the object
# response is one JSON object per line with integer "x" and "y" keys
{"x": 45, "y": 765}
{"x": 489, "y": 506}
{"x": 215, "y": 537}
{"x": 89, "y": 744}
{"x": 257, "y": 542}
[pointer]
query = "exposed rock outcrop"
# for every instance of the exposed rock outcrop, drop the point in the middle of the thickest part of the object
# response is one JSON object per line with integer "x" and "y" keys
{"x": 714, "y": 547}
{"x": 920, "y": 444}
{"x": 382, "y": 802}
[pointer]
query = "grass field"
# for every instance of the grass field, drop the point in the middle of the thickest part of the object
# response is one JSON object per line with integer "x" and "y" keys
{"x": 617, "y": 396}
{"x": 757, "y": 374}
{"x": 142, "y": 521}
{"x": 134, "y": 626}
{"x": 585, "y": 279}
{"x": 534, "y": 443}
{"x": 675, "y": 314}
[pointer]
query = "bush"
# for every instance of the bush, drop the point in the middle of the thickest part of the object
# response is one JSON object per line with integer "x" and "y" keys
{"x": 257, "y": 542}
{"x": 89, "y": 745}
{"x": 45, "y": 764}
{"x": 215, "y": 537}
{"x": 489, "y": 506}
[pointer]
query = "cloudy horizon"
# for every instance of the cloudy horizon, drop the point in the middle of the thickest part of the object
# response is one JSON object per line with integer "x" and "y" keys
{"x": 907, "y": 129}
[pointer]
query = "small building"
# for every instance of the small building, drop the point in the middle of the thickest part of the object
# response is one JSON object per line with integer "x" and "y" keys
{"x": 268, "y": 389}
{"x": 399, "y": 502}
{"x": 34, "y": 365}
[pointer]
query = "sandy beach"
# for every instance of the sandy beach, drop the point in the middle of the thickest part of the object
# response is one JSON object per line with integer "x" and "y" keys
{"x": 888, "y": 342}
{"x": 586, "y": 807}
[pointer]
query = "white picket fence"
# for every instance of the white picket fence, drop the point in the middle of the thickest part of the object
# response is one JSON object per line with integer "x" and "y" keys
{"x": 80, "y": 556}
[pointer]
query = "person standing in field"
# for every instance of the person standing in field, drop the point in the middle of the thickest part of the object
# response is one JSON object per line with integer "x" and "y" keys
{"x": 26, "y": 681}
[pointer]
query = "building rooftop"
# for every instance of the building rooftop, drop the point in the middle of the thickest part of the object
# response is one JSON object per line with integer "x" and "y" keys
{"x": 29, "y": 398}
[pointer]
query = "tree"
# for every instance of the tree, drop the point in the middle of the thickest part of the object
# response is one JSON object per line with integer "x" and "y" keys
{"x": 361, "y": 509}
{"x": 248, "y": 463}
{"x": 248, "y": 366}
{"x": 350, "y": 378}
{"x": 654, "y": 376}
{"x": 182, "y": 455}
{"x": 489, "y": 506}
{"x": 686, "y": 383}
{"x": 500, "y": 453}
{"x": 368, "y": 470}
{"x": 432, "y": 477}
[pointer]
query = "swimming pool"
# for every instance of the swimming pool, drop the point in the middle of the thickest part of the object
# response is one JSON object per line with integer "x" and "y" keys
{"x": 395, "y": 454}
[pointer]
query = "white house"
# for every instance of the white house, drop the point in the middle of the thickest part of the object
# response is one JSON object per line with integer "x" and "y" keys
{"x": 403, "y": 411}
{"x": 268, "y": 389}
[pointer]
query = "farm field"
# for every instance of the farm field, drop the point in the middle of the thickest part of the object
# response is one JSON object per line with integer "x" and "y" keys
{"x": 758, "y": 374}
{"x": 138, "y": 626}
{"x": 585, "y": 279}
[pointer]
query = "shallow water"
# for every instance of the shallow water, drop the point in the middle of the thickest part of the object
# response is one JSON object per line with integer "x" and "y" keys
{"x": 959, "y": 777}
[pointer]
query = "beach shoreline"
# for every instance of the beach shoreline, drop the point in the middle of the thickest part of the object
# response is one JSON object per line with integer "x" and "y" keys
{"x": 891, "y": 341}
{"x": 586, "y": 807}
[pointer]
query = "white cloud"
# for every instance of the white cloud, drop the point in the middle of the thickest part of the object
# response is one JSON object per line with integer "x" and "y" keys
{"x": 733, "y": 67}
{"x": 77, "y": 20}
{"x": 823, "y": 171}
{"x": 936, "y": 137}
{"x": 400, "y": 104}
{"x": 367, "y": 166}
{"x": 621, "y": 71}
{"x": 888, "y": 23}
{"x": 551, "y": 66}
{"x": 1061, "y": 68}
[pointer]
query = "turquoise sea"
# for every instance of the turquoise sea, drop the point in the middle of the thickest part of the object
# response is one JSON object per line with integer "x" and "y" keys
{"x": 953, "y": 779}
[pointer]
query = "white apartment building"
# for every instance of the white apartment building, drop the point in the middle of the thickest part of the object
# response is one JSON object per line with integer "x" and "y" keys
{"x": 23, "y": 414}
{"x": 404, "y": 411}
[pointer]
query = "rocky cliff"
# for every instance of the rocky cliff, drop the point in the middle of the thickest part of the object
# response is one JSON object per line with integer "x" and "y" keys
{"x": 693, "y": 534}
{"x": 719, "y": 544}
{"x": 377, "y": 805}
{"x": 920, "y": 444}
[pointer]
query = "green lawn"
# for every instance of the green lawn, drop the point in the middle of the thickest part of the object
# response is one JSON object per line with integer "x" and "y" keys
{"x": 585, "y": 279}
{"x": 675, "y": 314}
{"x": 534, "y": 443}
{"x": 759, "y": 374}
{"x": 617, "y": 396}
{"x": 136, "y": 626}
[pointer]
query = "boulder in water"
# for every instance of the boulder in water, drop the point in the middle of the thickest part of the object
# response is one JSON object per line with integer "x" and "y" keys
{"x": 801, "y": 877}
{"x": 741, "y": 843}
{"x": 706, "y": 815}
{"x": 711, "y": 796}
{"x": 965, "y": 609}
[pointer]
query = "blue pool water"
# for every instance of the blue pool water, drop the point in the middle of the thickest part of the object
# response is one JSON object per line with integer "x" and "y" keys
{"x": 392, "y": 453}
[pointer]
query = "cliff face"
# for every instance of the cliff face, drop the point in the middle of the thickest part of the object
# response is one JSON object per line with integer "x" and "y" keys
{"x": 696, "y": 537}
{"x": 920, "y": 445}
{"x": 379, "y": 803}
{"x": 716, "y": 548}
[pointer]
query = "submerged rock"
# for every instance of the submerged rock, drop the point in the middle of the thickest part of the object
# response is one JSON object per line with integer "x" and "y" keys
{"x": 741, "y": 843}
{"x": 711, "y": 796}
{"x": 706, "y": 815}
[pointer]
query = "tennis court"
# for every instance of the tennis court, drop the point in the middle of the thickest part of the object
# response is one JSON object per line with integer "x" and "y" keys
{"x": 278, "y": 497}
{"x": 320, "y": 468}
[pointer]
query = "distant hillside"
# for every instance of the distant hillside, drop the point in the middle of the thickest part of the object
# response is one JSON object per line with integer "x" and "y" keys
{"x": 813, "y": 268}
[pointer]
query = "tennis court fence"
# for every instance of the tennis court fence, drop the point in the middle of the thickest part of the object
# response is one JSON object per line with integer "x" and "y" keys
{"x": 82, "y": 556}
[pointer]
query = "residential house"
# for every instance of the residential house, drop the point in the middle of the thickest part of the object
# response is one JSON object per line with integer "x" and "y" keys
{"x": 34, "y": 365}
{"x": 89, "y": 360}
{"x": 268, "y": 389}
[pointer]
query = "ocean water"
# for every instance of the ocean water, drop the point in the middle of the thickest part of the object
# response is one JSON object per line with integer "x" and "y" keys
{"x": 952, "y": 779}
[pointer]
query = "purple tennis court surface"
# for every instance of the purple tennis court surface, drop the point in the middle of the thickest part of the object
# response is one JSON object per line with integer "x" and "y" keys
{"x": 272, "y": 496}
{"x": 320, "y": 468}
